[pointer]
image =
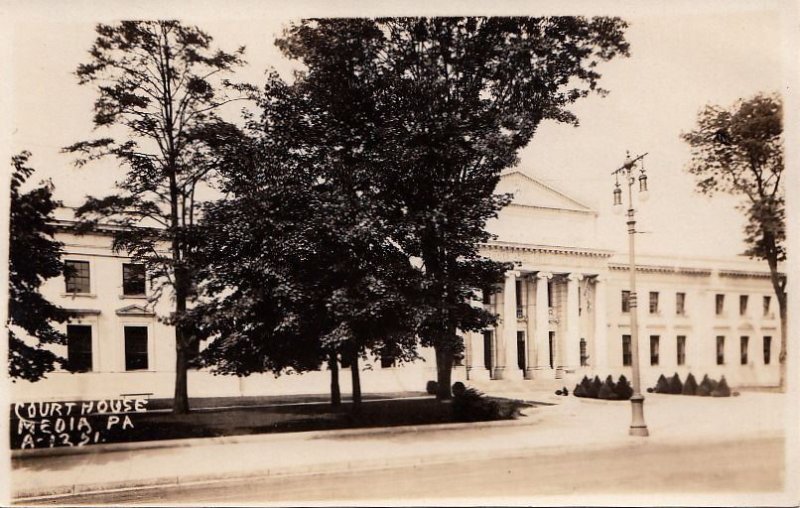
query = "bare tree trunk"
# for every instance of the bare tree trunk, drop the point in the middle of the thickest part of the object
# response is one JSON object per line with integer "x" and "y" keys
{"x": 444, "y": 370}
{"x": 336, "y": 393}
{"x": 180, "y": 402}
{"x": 356, "y": 374}
{"x": 782, "y": 355}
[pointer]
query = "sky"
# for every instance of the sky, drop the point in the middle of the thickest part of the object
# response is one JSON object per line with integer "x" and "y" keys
{"x": 682, "y": 58}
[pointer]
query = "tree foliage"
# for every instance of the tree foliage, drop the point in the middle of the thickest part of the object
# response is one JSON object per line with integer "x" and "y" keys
{"x": 158, "y": 87}
{"x": 739, "y": 150}
{"x": 439, "y": 106}
{"x": 34, "y": 257}
{"x": 318, "y": 277}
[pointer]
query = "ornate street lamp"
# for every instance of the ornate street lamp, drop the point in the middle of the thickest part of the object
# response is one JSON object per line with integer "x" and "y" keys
{"x": 626, "y": 171}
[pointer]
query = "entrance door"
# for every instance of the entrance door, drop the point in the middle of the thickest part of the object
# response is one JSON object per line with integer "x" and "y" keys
{"x": 521, "y": 350}
{"x": 487, "y": 350}
{"x": 552, "y": 344}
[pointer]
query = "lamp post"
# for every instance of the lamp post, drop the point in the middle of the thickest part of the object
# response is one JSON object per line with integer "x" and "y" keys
{"x": 626, "y": 171}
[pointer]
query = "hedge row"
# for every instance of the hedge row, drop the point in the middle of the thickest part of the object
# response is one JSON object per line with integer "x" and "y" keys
{"x": 707, "y": 387}
{"x": 608, "y": 390}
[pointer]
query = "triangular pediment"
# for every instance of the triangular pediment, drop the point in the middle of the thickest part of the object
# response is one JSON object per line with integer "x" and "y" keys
{"x": 134, "y": 310}
{"x": 531, "y": 192}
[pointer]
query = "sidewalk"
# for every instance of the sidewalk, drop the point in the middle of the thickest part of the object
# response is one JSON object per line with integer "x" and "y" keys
{"x": 573, "y": 424}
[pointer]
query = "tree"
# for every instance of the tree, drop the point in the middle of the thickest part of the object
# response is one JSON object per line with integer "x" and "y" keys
{"x": 34, "y": 257}
{"x": 317, "y": 278}
{"x": 439, "y": 107}
{"x": 156, "y": 88}
{"x": 739, "y": 150}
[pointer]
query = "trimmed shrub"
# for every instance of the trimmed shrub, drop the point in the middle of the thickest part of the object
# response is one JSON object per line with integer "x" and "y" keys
{"x": 606, "y": 391}
{"x": 721, "y": 390}
{"x": 432, "y": 387}
{"x": 662, "y": 385}
{"x": 705, "y": 387}
{"x": 690, "y": 386}
{"x": 578, "y": 391}
{"x": 564, "y": 391}
{"x": 473, "y": 406}
{"x": 675, "y": 385}
{"x": 594, "y": 390}
{"x": 623, "y": 388}
{"x": 459, "y": 388}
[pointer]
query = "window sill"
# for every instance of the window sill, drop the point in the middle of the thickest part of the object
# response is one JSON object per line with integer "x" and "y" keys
{"x": 133, "y": 297}
{"x": 78, "y": 295}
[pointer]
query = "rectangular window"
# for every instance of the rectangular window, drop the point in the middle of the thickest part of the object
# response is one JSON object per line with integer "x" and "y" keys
{"x": 76, "y": 275}
{"x": 767, "y": 303}
{"x": 521, "y": 350}
{"x": 487, "y": 350}
{"x": 550, "y": 288}
{"x": 720, "y": 350}
{"x": 486, "y": 296}
{"x": 653, "y": 302}
{"x": 520, "y": 304}
{"x": 133, "y": 277}
{"x": 743, "y": 343}
{"x": 626, "y": 301}
{"x": 680, "y": 304}
{"x": 135, "y": 348}
{"x": 626, "y": 350}
{"x": 387, "y": 361}
{"x": 767, "y": 349}
{"x": 743, "y": 305}
{"x": 720, "y": 304}
{"x": 681, "y": 347}
{"x": 654, "y": 349}
{"x": 584, "y": 353}
{"x": 79, "y": 348}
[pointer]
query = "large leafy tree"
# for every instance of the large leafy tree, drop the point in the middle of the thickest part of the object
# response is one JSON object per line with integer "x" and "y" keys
{"x": 34, "y": 257}
{"x": 317, "y": 277}
{"x": 739, "y": 150}
{"x": 439, "y": 107}
{"x": 158, "y": 89}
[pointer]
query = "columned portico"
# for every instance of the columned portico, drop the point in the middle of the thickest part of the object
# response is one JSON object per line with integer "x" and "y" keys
{"x": 475, "y": 351}
{"x": 571, "y": 359}
{"x": 542, "y": 326}
{"x": 600, "y": 325}
{"x": 530, "y": 327}
{"x": 506, "y": 367}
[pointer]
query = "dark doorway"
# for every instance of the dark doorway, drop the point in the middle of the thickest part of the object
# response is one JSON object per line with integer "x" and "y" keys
{"x": 521, "y": 350}
{"x": 487, "y": 350}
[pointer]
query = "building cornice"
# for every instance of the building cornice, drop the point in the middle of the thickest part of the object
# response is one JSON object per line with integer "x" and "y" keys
{"x": 744, "y": 274}
{"x": 546, "y": 249}
{"x": 682, "y": 270}
{"x": 553, "y": 209}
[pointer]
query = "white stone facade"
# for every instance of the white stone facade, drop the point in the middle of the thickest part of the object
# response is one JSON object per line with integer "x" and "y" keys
{"x": 561, "y": 317}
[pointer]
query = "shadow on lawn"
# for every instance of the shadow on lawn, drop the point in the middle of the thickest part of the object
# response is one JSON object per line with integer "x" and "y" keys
{"x": 308, "y": 416}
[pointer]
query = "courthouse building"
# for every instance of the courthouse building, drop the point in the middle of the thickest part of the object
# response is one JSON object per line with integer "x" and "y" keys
{"x": 564, "y": 313}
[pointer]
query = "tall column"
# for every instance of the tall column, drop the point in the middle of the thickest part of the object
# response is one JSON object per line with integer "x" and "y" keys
{"x": 507, "y": 344}
{"x": 542, "y": 360}
{"x": 530, "y": 327}
{"x": 572, "y": 346}
{"x": 600, "y": 362}
{"x": 476, "y": 368}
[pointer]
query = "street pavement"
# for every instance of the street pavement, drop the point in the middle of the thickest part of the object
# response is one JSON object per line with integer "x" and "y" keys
{"x": 572, "y": 426}
{"x": 676, "y": 474}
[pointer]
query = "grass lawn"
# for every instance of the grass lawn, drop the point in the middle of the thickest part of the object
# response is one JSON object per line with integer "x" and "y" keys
{"x": 260, "y": 415}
